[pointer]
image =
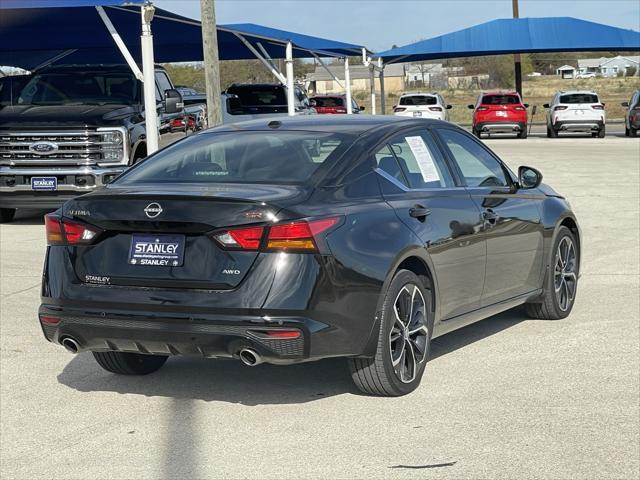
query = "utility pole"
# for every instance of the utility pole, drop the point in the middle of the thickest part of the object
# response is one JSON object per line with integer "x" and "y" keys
{"x": 516, "y": 57}
{"x": 211, "y": 61}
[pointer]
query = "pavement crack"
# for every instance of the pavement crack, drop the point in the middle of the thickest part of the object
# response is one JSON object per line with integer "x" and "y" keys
{"x": 21, "y": 291}
{"x": 433, "y": 465}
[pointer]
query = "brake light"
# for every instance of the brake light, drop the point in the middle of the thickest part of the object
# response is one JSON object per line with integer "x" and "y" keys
{"x": 597, "y": 107}
{"x": 341, "y": 110}
{"x": 435, "y": 109}
{"x": 399, "y": 109}
{"x": 281, "y": 333}
{"x": 67, "y": 232}
{"x": 559, "y": 107}
{"x": 49, "y": 320}
{"x": 298, "y": 236}
{"x": 483, "y": 109}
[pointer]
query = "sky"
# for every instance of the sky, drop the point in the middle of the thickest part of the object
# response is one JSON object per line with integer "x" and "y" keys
{"x": 379, "y": 24}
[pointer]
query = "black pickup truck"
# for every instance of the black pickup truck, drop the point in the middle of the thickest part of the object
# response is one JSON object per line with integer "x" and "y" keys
{"x": 71, "y": 129}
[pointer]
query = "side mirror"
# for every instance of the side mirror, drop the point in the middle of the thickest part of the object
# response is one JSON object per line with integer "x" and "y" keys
{"x": 604, "y": 104}
{"x": 312, "y": 103}
{"x": 362, "y": 108}
{"x": 394, "y": 106}
{"x": 173, "y": 101}
{"x": 449, "y": 107}
{"x": 546, "y": 105}
{"x": 471, "y": 107}
{"x": 526, "y": 105}
{"x": 625, "y": 104}
{"x": 529, "y": 177}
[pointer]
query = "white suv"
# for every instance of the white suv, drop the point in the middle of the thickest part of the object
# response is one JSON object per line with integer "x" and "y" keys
{"x": 575, "y": 111}
{"x": 425, "y": 105}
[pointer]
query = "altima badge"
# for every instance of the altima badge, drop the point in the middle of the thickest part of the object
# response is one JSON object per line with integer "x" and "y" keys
{"x": 153, "y": 210}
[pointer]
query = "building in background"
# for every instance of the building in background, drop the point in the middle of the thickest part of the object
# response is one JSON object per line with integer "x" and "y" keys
{"x": 610, "y": 66}
{"x": 566, "y": 72}
{"x": 320, "y": 81}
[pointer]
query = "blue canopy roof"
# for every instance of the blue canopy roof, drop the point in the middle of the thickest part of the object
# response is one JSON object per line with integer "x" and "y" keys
{"x": 31, "y": 35}
{"x": 519, "y": 35}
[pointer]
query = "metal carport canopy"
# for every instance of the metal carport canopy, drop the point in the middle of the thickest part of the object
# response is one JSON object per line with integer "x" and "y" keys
{"x": 518, "y": 35}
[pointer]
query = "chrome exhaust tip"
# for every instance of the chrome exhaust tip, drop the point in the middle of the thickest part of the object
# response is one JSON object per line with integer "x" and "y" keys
{"x": 70, "y": 345}
{"x": 250, "y": 357}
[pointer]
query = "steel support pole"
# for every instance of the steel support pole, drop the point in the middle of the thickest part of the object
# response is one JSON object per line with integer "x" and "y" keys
{"x": 347, "y": 85}
{"x": 291, "y": 106}
{"x": 381, "y": 77}
{"x": 372, "y": 86}
{"x": 148, "y": 71}
{"x": 516, "y": 57}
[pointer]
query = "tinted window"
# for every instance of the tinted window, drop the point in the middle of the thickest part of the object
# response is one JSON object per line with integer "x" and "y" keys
{"x": 10, "y": 88}
{"x": 240, "y": 157}
{"x": 259, "y": 95}
{"x": 418, "y": 160}
{"x": 579, "y": 98}
{"x": 84, "y": 88}
{"x": 500, "y": 100}
{"x": 479, "y": 168}
{"x": 419, "y": 100}
{"x": 329, "y": 101}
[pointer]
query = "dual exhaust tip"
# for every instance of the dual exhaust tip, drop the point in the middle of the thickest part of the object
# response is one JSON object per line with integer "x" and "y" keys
{"x": 248, "y": 356}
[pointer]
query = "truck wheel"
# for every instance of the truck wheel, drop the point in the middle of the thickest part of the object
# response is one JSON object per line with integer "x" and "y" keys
{"x": 601, "y": 132}
{"x": 124, "y": 363}
{"x": 406, "y": 326}
{"x": 561, "y": 284}
{"x": 7, "y": 214}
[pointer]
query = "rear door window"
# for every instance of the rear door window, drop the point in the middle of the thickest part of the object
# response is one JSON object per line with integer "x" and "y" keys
{"x": 414, "y": 159}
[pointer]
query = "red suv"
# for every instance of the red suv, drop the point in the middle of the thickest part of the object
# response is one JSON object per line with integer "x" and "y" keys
{"x": 333, "y": 104}
{"x": 499, "y": 112}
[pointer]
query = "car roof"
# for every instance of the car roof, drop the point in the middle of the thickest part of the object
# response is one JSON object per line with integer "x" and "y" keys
{"x": 499, "y": 92}
{"x": 421, "y": 94}
{"x": 350, "y": 124}
{"x": 570, "y": 92}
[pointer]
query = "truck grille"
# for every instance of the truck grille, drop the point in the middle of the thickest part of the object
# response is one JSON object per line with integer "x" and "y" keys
{"x": 50, "y": 148}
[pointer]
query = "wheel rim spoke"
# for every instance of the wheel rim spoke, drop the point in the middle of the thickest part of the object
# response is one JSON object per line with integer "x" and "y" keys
{"x": 565, "y": 278}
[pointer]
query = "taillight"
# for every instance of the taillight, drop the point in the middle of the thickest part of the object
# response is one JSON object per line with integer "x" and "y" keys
{"x": 597, "y": 107}
{"x": 399, "y": 109}
{"x": 341, "y": 110}
{"x": 559, "y": 107}
{"x": 67, "y": 232}
{"x": 300, "y": 236}
{"x": 519, "y": 109}
{"x": 483, "y": 109}
{"x": 435, "y": 109}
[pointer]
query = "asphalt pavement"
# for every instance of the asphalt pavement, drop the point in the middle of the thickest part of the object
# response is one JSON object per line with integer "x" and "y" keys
{"x": 508, "y": 397}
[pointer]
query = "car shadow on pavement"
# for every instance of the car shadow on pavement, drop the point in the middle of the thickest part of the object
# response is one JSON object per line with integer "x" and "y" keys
{"x": 231, "y": 381}
{"x": 29, "y": 217}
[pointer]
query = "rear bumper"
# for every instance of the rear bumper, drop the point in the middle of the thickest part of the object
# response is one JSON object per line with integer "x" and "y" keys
{"x": 209, "y": 336}
{"x": 578, "y": 125}
{"x": 501, "y": 127}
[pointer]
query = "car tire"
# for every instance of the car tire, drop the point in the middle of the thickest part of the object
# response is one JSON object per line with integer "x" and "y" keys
{"x": 125, "y": 363}
{"x": 403, "y": 347}
{"x": 602, "y": 132}
{"x": 7, "y": 214}
{"x": 627, "y": 131}
{"x": 553, "y": 133}
{"x": 557, "y": 301}
{"x": 477, "y": 133}
{"x": 523, "y": 133}
{"x": 633, "y": 132}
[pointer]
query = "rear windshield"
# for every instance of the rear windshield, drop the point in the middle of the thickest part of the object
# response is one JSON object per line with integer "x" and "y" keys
{"x": 500, "y": 100}
{"x": 579, "y": 98}
{"x": 280, "y": 157}
{"x": 259, "y": 95}
{"x": 328, "y": 101}
{"x": 418, "y": 100}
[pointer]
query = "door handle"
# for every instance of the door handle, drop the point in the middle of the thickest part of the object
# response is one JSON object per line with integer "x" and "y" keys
{"x": 490, "y": 216}
{"x": 419, "y": 212}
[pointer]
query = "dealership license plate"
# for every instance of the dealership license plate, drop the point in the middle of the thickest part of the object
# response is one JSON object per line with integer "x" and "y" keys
{"x": 501, "y": 114}
{"x": 417, "y": 114}
{"x": 44, "y": 183}
{"x": 157, "y": 250}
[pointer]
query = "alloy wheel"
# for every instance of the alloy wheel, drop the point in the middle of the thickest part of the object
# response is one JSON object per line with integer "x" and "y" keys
{"x": 565, "y": 278}
{"x": 409, "y": 334}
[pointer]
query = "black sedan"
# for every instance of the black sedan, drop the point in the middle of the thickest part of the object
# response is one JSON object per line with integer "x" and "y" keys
{"x": 299, "y": 239}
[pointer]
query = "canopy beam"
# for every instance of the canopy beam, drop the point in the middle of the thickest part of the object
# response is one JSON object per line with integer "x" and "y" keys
{"x": 274, "y": 71}
{"x": 324, "y": 65}
{"x": 120, "y": 44}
